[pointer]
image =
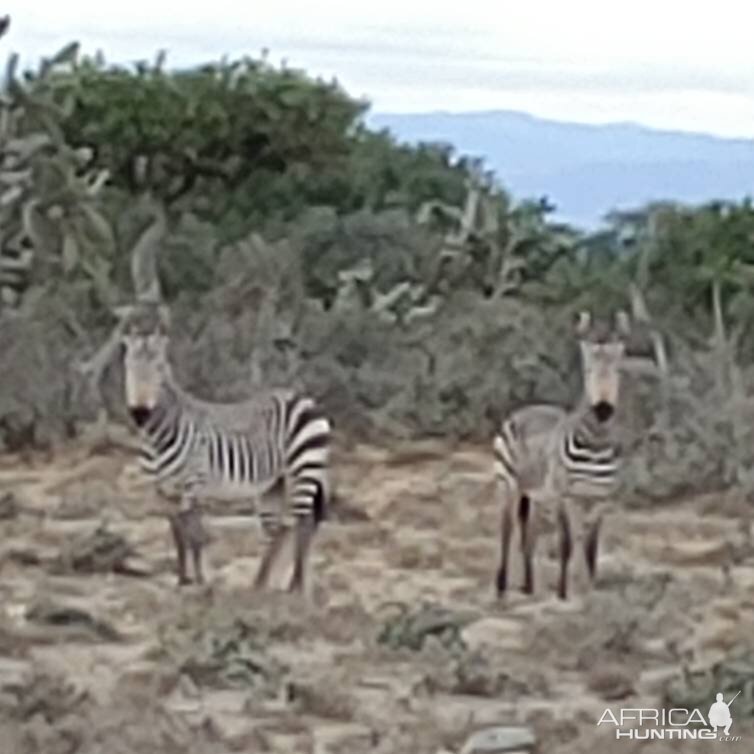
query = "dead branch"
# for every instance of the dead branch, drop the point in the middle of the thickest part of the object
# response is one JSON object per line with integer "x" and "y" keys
{"x": 144, "y": 275}
{"x": 93, "y": 368}
{"x": 147, "y": 290}
{"x": 640, "y": 313}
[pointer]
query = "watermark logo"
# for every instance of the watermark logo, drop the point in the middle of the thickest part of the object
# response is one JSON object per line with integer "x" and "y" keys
{"x": 719, "y": 714}
{"x": 678, "y": 723}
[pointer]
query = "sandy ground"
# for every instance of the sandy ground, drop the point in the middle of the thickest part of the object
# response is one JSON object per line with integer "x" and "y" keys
{"x": 402, "y": 647}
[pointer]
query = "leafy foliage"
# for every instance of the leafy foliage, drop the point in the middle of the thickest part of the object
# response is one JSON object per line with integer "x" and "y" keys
{"x": 239, "y": 142}
{"x": 733, "y": 677}
{"x": 50, "y": 204}
{"x": 229, "y": 124}
{"x": 400, "y": 283}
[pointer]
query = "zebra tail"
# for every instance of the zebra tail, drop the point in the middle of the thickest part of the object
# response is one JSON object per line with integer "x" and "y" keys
{"x": 320, "y": 505}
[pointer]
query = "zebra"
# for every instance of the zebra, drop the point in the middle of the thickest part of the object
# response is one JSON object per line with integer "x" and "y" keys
{"x": 193, "y": 448}
{"x": 549, "y": 460}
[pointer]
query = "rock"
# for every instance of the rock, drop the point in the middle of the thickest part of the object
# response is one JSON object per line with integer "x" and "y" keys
{"x": 98, "y": 551}
{"x": 497, "y": 633}
{"x": 13, "y": 672}
{"x": 499, "y": 740}
{"x": 612, "y": 681}
{"x": 692, "y": 552}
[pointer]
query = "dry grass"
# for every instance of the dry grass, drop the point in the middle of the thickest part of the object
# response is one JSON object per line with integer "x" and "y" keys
{"x": 116, "y": 663}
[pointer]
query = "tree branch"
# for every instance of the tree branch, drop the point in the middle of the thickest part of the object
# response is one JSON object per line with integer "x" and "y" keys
{"x": 144, "y": 275}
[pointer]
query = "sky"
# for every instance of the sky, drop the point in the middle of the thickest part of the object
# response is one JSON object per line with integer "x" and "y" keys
{"x": 668, "y": 64}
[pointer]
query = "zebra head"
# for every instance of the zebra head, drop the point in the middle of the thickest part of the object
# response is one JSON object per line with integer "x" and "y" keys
{"x": 602, "y": 351}
{"x": 145, "y": 344}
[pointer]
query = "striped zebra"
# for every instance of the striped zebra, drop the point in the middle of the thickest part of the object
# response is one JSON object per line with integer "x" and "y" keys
{"x": 194, "y": 449}
{"x": 552, "y": 461}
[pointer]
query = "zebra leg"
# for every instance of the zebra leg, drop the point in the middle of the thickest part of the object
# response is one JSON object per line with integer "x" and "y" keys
{"x": 566, "y": 549}
{"x": 304, "y": 534}
{"x": 191, "y": 534}
{"x": 274, "y": 533}
{"x": 307, "y": 499}
{"x": 196, "y": 537}
{"x": 527, "y": 543}
{"x": 506, "y": 530}
{"x": 176, "y": 529}
{"x": 591, "y": 546}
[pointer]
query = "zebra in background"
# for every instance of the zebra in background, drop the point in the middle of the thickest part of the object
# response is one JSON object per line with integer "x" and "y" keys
{"x": 194, "y": 449}
{"x": 552, "y": 461}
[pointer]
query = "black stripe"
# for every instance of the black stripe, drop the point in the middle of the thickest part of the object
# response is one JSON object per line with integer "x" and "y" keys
{"x": 231, "y": 451}
{"x": 167, "y": 437}
{"x": 302, "y": 471}
{"x": 316, "y": 442}
{"x": 504, "y": 462}
{"x": 211, "y": 454}
{"x": 243, "y": 461}
{"x": 305, "y": 416}
{"x": 169, "y": 456}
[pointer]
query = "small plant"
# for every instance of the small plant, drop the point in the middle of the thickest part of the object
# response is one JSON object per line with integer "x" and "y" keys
{"x": 50, "y": 696}
{"x": 699, "y": 687}
{"x": 101, "y": 551}
{"x": 227, "y": 655}
{"x": 410, "y": 627}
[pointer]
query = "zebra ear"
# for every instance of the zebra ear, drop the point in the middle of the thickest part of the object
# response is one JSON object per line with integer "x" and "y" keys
{"x": 622, "y": 323}
{"x": 583, "y": 323}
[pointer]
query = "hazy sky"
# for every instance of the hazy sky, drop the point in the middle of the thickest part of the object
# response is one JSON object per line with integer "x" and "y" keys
{"x": 664, "y": 63}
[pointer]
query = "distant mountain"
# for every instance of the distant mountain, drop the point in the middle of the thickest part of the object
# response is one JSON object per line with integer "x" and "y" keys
{"x": 588, "y": 170}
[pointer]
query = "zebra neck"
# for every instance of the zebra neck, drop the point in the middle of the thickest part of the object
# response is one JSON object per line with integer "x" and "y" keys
{"x": 587, "y": 431}
{"x": 166, "y": 415}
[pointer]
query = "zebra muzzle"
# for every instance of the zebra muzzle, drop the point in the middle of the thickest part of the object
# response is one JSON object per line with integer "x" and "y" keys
{"x": 140, "y": 415}
{"x": 603, "y": 410}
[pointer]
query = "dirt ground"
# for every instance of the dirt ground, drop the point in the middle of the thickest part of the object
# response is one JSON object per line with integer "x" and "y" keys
{"x": 402, "y": 647}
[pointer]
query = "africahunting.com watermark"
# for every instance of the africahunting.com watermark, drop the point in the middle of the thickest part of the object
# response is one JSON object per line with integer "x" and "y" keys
{"x": 676, "y": 724}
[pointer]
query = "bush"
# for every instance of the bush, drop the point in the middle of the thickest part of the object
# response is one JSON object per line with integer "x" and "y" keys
{"x": 400, "y": 285}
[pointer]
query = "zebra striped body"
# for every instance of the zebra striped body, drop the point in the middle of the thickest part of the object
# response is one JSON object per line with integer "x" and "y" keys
{"x": 196, "y": 449}
{"x": 552, "y": 462}
{"x": 588, "y": 456}
{"x": 239, "y": 450}
{"x": 545, "y": 452}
